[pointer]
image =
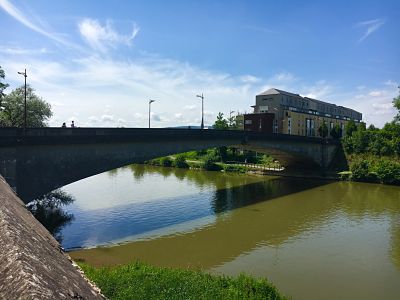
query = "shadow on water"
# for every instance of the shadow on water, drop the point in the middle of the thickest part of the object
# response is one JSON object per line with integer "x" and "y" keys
{"x": 48, "y": 210}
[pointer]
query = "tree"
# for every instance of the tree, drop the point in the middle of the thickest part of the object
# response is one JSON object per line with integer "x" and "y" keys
{"x": 336, "y": 132}
{"x": 232, "y": 122}
{"x": 221, "y": 123}
{"x": 12, "y": 115}
{"x": 3, "y": 86}
{"x": 323, "y": 130}
{"x": 350, "y": 128}
{"x": 396, "y": 104}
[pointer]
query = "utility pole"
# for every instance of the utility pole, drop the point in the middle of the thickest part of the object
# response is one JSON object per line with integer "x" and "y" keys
{"x": 24, "y": 74}
{"x": 202, "y": 110}
{"x": 150, "y": 102}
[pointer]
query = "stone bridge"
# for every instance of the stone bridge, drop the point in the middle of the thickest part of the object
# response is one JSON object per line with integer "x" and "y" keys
{"x": 39, "y": 160}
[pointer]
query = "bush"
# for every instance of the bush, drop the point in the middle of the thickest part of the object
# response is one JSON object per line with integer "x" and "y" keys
{"x": 388, "y": 171}
{"x": 360, "y": 170}
{"x": 166, "y": 161}
{"x": 180, "y": 162}
{"x": 210, "y": 165}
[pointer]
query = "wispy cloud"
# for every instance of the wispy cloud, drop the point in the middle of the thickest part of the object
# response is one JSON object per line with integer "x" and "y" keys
{"x": 102, "y": 37}
{"x": 22, "y": 18}
{"x": 370, "y": 26}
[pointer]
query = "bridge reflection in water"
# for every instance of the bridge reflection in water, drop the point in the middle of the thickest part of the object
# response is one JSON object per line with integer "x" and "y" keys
{"x": 298, "y": 233}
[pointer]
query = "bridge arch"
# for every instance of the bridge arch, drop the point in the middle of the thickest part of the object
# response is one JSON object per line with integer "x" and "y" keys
{"x": 42, "y": 159}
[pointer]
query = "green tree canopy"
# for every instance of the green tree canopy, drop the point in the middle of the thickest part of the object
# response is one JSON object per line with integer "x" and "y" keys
{"x": 323, "y": 130}
{"x": 350, "y": 128}
{"x": 221, "y": 123}
{"x": 12, "y": 114}
{"x": 336, "y": 132}
{"x": 3, "y": 85}
{"x": 396, "y": 104}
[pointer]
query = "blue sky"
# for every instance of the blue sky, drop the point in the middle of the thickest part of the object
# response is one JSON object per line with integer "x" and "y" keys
{"x": 98, "y": 62}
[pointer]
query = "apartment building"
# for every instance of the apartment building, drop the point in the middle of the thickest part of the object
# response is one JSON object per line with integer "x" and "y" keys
{"x": 294, "y": 114}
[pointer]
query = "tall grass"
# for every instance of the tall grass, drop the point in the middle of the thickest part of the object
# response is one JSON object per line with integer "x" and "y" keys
{"x": 141, "y": 281}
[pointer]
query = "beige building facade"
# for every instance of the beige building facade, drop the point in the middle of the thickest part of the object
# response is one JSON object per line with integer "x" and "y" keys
{"x": 297, "y": 115}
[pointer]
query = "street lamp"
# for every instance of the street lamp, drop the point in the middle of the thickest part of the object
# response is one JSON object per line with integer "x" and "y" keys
{"x": 150, "y": 102}
{"x": 202, "y": 110}
{"x": 24, "y": 74}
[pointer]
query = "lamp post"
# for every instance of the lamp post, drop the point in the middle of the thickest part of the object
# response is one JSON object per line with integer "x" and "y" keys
{"x": 24, "y": 74}
{"x": 202, "y": 110}
{"x": 150, "y": 102}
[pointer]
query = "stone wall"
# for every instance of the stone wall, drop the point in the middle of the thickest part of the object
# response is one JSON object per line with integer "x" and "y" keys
{"x": 32, "y": 263}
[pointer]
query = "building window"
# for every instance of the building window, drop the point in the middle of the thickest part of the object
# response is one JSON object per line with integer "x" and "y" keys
{"x": 289, "y": 129}
{"x": 248, "y": 122}
{"x": 263, "y": 108}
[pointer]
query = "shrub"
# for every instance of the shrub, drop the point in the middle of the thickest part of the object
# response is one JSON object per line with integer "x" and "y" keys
{"x": 180, "y": 161}
{"x": 360, "y": 170}
{"x": 166, "y": 161}
{"x": 210, "y": 165}
{"x": 388, "y": 171}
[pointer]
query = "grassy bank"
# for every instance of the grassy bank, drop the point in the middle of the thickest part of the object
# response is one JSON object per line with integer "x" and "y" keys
{"x": 217, "y": 159}
{"x": 141, "y": 281}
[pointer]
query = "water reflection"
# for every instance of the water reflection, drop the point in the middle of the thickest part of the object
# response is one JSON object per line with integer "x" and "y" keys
{"x": 123, "y": 208}
{"x": 48, "y": 210}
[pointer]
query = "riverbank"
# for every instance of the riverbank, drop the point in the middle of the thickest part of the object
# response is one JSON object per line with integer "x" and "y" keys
{"x": 141, "y": 281}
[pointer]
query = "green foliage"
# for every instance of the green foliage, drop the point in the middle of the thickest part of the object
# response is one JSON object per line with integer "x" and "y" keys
{"x": 209, "y": 164}
{"x": 221, "y": 123}
{"x": 222, "y": 152}
{"x": 166, "y": 161}
{"x": 180, "y": 161}
{"x": 350, "y": 128}
{"x": 323, "y": 130}
{"x": 232, "y": 124}
{"x": 375, "y": 169}
{"x": 3, "y": 86}
{"x": 336, "y": 132}
{"x": 388, "y": 171}
{"x": 396, "y": 104}
{"x": 140, "y": 281}
{"x": 380, "y": 142}
{"x": 235, "y": 168}
{"x": 12, "y": 114}
{"x": 360, "y": 170}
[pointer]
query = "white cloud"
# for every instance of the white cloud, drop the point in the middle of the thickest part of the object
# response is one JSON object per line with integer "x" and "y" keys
{"x": 376, "y": 93}
{"x": 370, "y": 26}
{"x": 178, "y": 116}
{"x": 102, "y": 37}
{"x": 190, "y": 107}
{"x": 107, "y": 118}
{"x": 376, "y": 105}
{"x": 321, "y": 90}
{"x": 285, "y": 76}
{"x": 250, "y": 79}
{"x": 22, "y": 18}
{"x": 22, "y": 51}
